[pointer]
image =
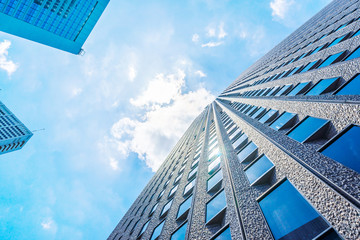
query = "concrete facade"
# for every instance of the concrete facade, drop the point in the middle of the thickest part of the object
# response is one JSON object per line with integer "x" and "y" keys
{"x": 234, "y": 123}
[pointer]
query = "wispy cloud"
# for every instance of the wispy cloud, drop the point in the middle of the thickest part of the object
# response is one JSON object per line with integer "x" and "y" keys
{"x": 132, "y": 73}
{"x": 49, "y": 225}
{"x": 200, "y": 73}
{"x": 195, "y": 37}
{"x": 212, "y": 44}
{"x": 5, "y": 64}
{"x": 280, "y": 7}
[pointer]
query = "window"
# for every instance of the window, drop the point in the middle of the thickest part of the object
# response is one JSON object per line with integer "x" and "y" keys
{"x": 244, "y": 154}
{"x": 273, "y": 91}
{"x": 241, "y": 141}
{"x": 258, "y": 169}
{"x": 161, "y": 194}
{"x": 310, "y": 66}
{"x": 172, "y": 191}
{"x": 184, "y": 207}
{"x": 214, "y": 165}
{"x": 215, "y": 205}
{"x": 258, "y": 113}
{"x": 289, "y": 215}
{"x": 352, "y": 87}
{"x": 283, "y": 121}
{"x": 345, "y": 148}
{"x": 166, "y": 208}
{"x": 270, "y": 115}
{"x": 153, "y": 209}
{"x": 144, "y": 228}
{"x": 214, "y": 180}
{"x": 157, "y": 231}
{"x": 336, "y": 41}
{"x": 323, "y": 86}
{"x": 306, "y": 128}
{"x": 300, "y": 88}
{"x": 354, "y": 54}
{"x": 283, "y": 90}
{"x": 180, "y": 233}
{"x": 235, "y": 134}
{"x": 214, "y": 152}
{"x": 177, "y": 179}
{"x": 189, "y": 187}
{"x": 224, "y": 235}
{"x": 195, "y": 163}
{"x": 331, "y": 59}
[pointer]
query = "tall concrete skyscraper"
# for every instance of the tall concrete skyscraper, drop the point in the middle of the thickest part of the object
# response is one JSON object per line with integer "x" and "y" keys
{"x": 62, "y": 24}
{"x": 13, "y": 133}
{"x": 276, "y": 155}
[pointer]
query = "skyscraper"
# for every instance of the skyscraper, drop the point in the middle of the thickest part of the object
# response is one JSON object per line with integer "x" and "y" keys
{"x": 13, "y": 133}
{"x": 62, "y": 24}
{"x": 276, "y": 155}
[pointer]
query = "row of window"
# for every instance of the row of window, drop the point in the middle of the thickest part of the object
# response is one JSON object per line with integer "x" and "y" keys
{"x": 310, "y": 129}
{"x": 286, "y": 211}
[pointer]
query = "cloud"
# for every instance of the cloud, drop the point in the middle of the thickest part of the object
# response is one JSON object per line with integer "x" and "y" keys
{"x": 132, "y": 73}
{"x": 114, "y": 164}
{"x": 156, "y": 131}
{"x": 211, "y": 32}
{"x": 49, "y": 225}
{"x": 222, "y": 33}
{"x": 5, "y": 64}
{"x": 212, "y": 44}
{"x": 280, "y": 7}
{"x": 195, "y": 37}
{"x": 200, "y": 74}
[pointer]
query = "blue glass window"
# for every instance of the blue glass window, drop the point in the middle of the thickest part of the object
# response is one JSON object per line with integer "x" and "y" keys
{"x": 241, "y": 141}
{"x": 301, "y": 87}
{"x": 214, "y": 165}
{"x": 306, "y": 128}
{"x": 316, "y": 50}
{"x": 144, "y": 228}
{"x": 217, "y": 177}
{"x": 153, "y": 209}
{"x": 345, "y": 149}
{"x": 189, "y": 187}
{"x": 351, "y": 88}
{"x": 293, "y": 71}
{"x": 323, "y": 86}
{"x": 257, "y": 169}
{"x": 282, "y": 120}
{"x": 336, "y": 41}
{"x": 246, "y": 151}
{"x": 273, "y": 91}
{"x": 225, "y": 235}
{"x": 309, "y": 66}
{"x": 330, "y": 60}
{"x": 341, "y": 27}
{"x": 286, "y": 211}
{"x": 192, "y": 173}
{"x": 215, "y": 205}
{"x": 157, "y": 231}
{"x": 283, "y": 90}
{"x": 354, "y": 54}
{"x": 166, "y": 208}
{"x": 173, "y": 190}
{"x": 180, "y": 233}
{"x": 184, "y": 207}
{"x": 258, "y": 112}
{"x": 356, "y": 33}
{"x": 267, "y": 116}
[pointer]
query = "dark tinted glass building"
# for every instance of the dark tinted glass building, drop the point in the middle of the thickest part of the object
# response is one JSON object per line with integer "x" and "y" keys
{"x": 62, "y": 24}
{"x": 276, "y": 155}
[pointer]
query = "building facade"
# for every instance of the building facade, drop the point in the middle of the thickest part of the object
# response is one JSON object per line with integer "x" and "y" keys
{"x": 13, "y": 133}
{"x": 276, "y": 155}
{"x": 62, "y": 24}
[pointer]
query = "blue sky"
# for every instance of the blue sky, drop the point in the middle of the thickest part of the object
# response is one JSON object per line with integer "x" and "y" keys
{"x": 107, "y": 124}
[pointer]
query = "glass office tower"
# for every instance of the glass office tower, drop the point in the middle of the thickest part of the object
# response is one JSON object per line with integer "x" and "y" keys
{"x": 13, "y": 133}
{"x": 276, "y": 155}
{"x": 62, "y": 24}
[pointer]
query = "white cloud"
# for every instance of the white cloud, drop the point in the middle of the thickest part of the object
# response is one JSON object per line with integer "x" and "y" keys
{"x": 280, "y": 7}
{"x": 211, "y": 32}
{"x": 132, "y": 73}
{"x": 114, "y": 164}
{"x": 212, "y": 44}
{"x": 5, "y": 64}
{"x": 49, "y": 225}
{"x": 195, "y": 37}
{"x": 76, "y": 91}
{"x": 161, "y": 90}
{"x": 154, "y": 134}
{"x": 222, "y": 32}
{"x": 200, "y": 73}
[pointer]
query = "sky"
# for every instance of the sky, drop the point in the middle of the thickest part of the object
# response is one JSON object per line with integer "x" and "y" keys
{"x": 112, "y": 115}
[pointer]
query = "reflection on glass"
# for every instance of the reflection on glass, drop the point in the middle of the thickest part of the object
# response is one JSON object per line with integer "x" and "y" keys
{"x": 184, "y": 207}
{"x": 180, "y": 233}
{"x": 330, "y": 60}
{"x": 166, "y": 207}
{"x": 258, "y": 112}
{"x": 346, "y": 149}
{"x": 243, "y": 154}
{"x": 286, "y": 211}
{"x": 267, "y": 116}
{"x": 307, "y": 68}
{"x": 225, "y": 235}
{"x": 214, "y": 165}
{"x": 256, "y": 170}
{"x": 283, "y": 90}
{"x": 144, "y": 228}
{"x": 157, "y": 231}
{"x": 306, "y": 128}
{"x": 351, "y": 88}
{"x": 282, "y": 120}
{"x": 217, "y": 177}
{"x": 215, "y": 205}
{"x": 298, "y": 89}
{"x": 189, "y": 187}
{"x": 321, "y": 87}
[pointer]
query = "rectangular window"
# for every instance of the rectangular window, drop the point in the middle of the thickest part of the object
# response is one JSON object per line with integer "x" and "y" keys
{"x": 300, "y": 88}
{"x": 285, "y": 89}
{"x": 310, "y": 66}
{"x": 354, "y": 54}
{"x": 189, "y": 187}
{"x": 269, "y": 116}
{"x": 258, "y": 169}
{"x": 332, "y": 59}
{"x": 214, "y": 180}
{"x": 242, "y": 140}
{"x": 306, "y": 128}
{"x": 214, "y": 165}
{"x": 289, "y": 215}
{"x": 143, "y": 228}
{"x": 192, "y": 173}
{"x": 224, "y": 235}
{"x": 166, "y": 208}
{"x": 352, "y": 87}
{"x": 180, "y": 233}
{"x": 345, "y": 148}
{"x": 153, "y": 209}
{"x": 184, "y": 207}
{"x": 157, "y": 231}
{"x": 215, "y": 206}
{"x": 323, "y": 86}
{"x": 172, "y": 191}
{"x": 244, "y": 154}
{"x": 258, "y": 113}
{"x": 283, "y": 121}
